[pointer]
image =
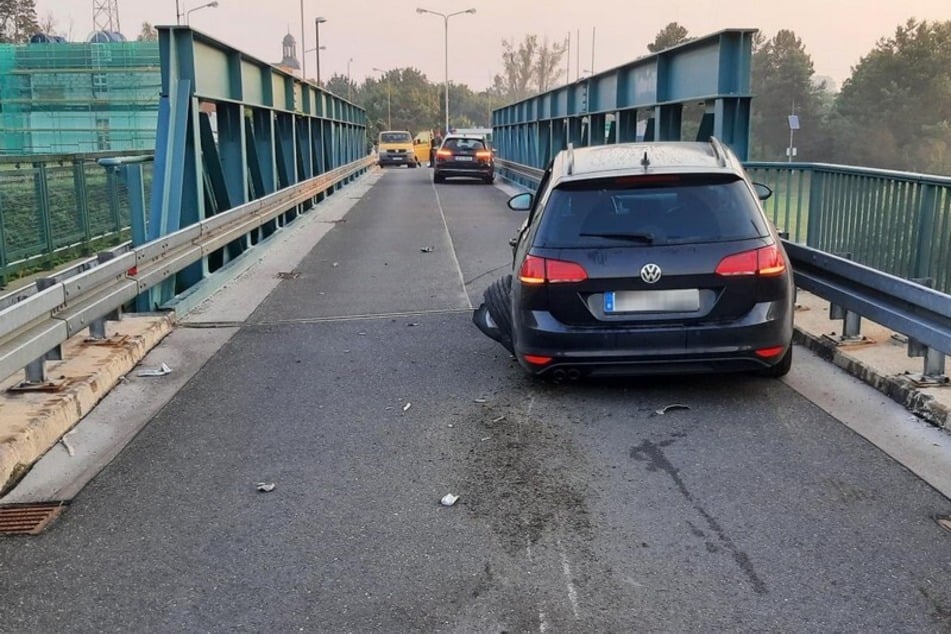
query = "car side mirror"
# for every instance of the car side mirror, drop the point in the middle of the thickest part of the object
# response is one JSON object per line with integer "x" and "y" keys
{"x": 521, "y": 202}
{"x": 762, "y": 191}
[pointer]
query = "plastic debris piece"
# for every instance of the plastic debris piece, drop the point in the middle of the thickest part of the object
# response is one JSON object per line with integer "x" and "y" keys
{"x": 412, "y": 324}
{"x": 407, "y": 406}
{"x": 426, "y": 249}
{"x": 69, "y": 447}
{"x": 670, "y": 408}
{"x": 162, "y": 370}
{"x": 449, "y": 425}
{"x": 481, "y": 400}
{"x": 265, "y": 487}
{"x": 449, "y": 499}
{"x": 486, "y": 438}
{"x": 498, "y": 418}
{"x": 336, "y": 264}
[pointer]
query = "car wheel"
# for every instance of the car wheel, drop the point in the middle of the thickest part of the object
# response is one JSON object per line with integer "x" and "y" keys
{"x": 488, "y": 180}
{"x": 780, "y": 369}
{"x": 438, "y": 178}
{"x": 498, "y": 301}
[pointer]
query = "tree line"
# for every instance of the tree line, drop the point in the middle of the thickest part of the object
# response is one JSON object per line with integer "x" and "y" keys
{"x": 893, "y": 112}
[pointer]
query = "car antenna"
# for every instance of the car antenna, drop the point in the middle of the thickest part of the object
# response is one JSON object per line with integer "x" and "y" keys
{"x": 645, "y": 162}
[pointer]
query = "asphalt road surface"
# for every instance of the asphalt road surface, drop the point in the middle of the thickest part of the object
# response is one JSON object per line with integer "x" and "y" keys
{"x": 361, "y": 389}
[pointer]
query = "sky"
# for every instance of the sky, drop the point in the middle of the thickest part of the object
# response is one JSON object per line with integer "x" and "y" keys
{"x": 360, "y": 35}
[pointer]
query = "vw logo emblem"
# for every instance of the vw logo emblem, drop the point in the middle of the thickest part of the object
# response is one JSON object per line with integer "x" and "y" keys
{"x": 650, "y": 273}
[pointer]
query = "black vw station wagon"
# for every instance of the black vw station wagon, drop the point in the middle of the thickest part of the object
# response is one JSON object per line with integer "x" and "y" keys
{"x": 644, "y": 258}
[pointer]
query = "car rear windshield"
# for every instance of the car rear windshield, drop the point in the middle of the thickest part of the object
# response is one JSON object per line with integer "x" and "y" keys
{"x": 396, "y": 137}
{"x": 663, "y": 209}
{"x": 463, "y": 144}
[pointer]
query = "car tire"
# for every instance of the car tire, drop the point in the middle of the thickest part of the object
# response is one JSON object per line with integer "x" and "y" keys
{"x": 438, "y": 178}
{"x": 488, "y": 180}
{"x": 498, "y": 301}
{"x": 781, "y": 369}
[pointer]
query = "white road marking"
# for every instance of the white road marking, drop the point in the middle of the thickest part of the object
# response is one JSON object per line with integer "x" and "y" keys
{"x": 452, "y": 249}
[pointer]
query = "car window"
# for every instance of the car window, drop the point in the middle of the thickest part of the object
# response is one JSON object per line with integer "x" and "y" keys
{"x": 464, "y": 144}
{"x": 677, "y": 210}
{"x": 395, "y": 137}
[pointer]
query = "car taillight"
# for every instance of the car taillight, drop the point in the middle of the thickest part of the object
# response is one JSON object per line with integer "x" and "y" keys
{"x": 443, "y": 153}
{"x": 484, "y": 155}
{"x": 536, "y": 270}
{"x": 767, "y": 261}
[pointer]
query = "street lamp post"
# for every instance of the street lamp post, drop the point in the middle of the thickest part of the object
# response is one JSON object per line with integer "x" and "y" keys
{"x": 349, "y": 84}
{"x": 303, "y": 57}
{"x": 445, "y": 18}
{"x": 318, "y": 47}
{"x": 211, "y": 5}
{"x": 389, "y": 119}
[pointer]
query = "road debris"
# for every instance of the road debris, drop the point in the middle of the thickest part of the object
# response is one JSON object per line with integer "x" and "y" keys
{"x": 69, "y": 447}
{"x": 265, "y": 487}
{"x": 480, "y": 400}
{"x": 162, "y": 370}
{"x": 449, "y": 499}
{"x": 407, "y": 406}
{"x": 486, "y": 438}
{"x": 426, "y": 249}
{"x": 498, "y": 418}
{"x": 412, "y": 324}
{"x": 336, "y": 264}
{"x": 670, "y": 408}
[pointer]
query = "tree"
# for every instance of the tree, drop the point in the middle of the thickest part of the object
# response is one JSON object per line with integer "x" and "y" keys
{"x": 17, "y": 21}
{"x": 782, "y": 85}
{"x": 148, "y": 33}
{"x": 671, "y": 35}
{"x": 530, "y": 68}
{"x": 894, "y": 111}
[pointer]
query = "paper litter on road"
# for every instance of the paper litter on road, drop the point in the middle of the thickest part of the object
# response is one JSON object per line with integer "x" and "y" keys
{"x": 449, "y": 499}
{"x": 265, "y": 487}
{"x": 670, "y": 408}
{"x": 162, "y": 370}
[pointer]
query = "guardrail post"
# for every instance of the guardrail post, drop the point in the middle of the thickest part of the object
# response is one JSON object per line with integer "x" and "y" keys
{"x": 933, "y": 372}
{"x": 36, "y": 370}
{"x": 97, "y": 329}
{"x": 851, "y": 322}
{"x": 42, "y": 198}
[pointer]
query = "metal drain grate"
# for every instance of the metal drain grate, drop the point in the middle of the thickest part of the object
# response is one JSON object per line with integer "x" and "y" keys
{"x": 28, "y": 519}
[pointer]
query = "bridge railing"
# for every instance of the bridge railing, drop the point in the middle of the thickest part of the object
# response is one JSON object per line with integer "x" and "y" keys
{"x": 34, "y": 322}
{"x": 896, "y": 222}
{"x": 856, "y": 289}
{"x": 53, "y": 204}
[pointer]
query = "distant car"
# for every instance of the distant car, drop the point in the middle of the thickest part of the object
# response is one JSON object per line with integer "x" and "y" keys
{"x": 395, "y": 147}
{"x": 644, "y": 258}
{"x": 464, "y": 156}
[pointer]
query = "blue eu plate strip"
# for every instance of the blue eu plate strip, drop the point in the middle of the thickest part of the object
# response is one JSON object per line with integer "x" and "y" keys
{"x": 609, "y": 302}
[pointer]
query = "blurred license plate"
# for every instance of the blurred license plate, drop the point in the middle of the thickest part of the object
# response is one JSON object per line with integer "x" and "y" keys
{"x": 669, "y": 301}
{"x": 463, "y": 158}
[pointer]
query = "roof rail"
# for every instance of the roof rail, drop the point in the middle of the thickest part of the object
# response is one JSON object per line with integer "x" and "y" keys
{"x": 718, "y": 150}
{"x": 571, "y": 159}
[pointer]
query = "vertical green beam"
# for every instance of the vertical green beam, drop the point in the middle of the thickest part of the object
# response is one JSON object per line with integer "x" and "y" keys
{"x": 41, "y": 198}
{"x": 82, "y": 203}
{"x": 927, "y": 205}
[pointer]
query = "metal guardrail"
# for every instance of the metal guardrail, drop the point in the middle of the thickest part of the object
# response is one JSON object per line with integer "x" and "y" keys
{"x": 32, "y": 324}
{"x": 910, "y": 308}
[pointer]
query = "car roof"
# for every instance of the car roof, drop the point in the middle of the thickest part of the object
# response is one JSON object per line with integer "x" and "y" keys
{"x": 654, "y": 157}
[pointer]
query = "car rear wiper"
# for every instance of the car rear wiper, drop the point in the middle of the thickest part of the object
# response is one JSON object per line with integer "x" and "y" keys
{"x": 636, "y": 237}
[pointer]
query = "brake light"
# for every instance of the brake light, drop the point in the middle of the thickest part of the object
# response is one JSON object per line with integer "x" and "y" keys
{"x": 767, "y": 261}
{"x": 444, "y": 153}
{"x": 766, "y": 353}
{"x": 484, "y": 154}
{"x": 536, "y": 270}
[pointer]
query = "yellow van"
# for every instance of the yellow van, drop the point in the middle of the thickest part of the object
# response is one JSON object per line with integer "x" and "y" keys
{"x": 423, "y": 146}
{"x": 395, "y": 147}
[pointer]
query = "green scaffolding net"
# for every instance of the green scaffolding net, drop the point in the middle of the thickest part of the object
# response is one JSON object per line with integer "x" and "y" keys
{"x": 58, "y": 98}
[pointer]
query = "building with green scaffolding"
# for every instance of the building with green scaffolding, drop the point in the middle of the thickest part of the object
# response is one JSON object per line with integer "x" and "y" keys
{"x": 66, "y": 98}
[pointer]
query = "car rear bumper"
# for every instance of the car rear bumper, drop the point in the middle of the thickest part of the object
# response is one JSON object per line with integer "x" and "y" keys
{"x": 472, "y": 171}
{"x": 596, "y": 351}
